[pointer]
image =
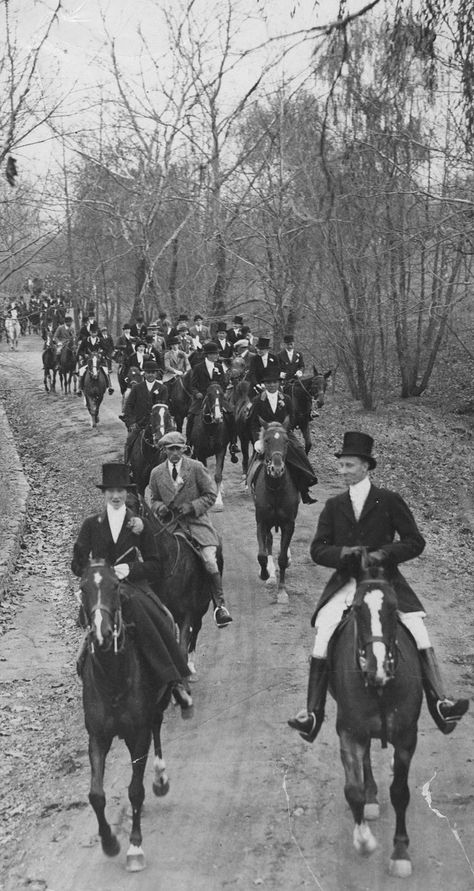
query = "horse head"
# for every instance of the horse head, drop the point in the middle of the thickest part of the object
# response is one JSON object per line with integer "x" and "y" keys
{"x": 318, "y": 385}
{"x": 274, "y": 437}
{"x": 100, "y": 600}
{"x": 161, "y": 421}
{"x": 213, "y": 405}
{"x": 375, "y": 609}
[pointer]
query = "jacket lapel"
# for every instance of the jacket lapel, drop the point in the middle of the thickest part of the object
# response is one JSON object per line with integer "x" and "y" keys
{"x": 346, "y": 506}
{"x": 371, "y": 501}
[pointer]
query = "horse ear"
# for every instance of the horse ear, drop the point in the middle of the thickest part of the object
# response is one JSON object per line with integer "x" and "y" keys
{"x": 286, "y": 423}
{"x": 328, "y": 374}
{"x": 262, "y": 423}
{"x": 315, "y": 370}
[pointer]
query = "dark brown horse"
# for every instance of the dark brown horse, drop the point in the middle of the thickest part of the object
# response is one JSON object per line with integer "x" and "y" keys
{"x": 67, "y": 363}
{"x": 180, "y": 396}
{"x": 375, "y": 679}
{"x": 238, "y": 397}
{"x": 302, "y": 391}
{"x": 212, "y": 433}
{"x": 49, "y": 359}
{"x": 118, "y": 700}
{"x": 94, "y": 386}
{"x": 276, "y": 504}
{"x": 184, "y": 582}
{"x": 145, "y": 453}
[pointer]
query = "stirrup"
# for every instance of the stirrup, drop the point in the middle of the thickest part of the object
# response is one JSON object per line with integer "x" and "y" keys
{"x": 462, "y": 704}
{"x": 225, "y": 615}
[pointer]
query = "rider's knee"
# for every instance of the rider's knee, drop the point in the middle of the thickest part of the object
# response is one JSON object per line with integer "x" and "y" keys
{"x": 209, "y": 558}
{"x": 414, "y": 622}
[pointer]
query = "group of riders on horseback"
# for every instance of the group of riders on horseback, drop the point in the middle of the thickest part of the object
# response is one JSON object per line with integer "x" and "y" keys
{"x": 181, "y": 491}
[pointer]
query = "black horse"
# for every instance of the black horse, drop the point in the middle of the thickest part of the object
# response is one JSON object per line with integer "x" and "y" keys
{"x": 212, "y": 433}
{"x": 67, "y": 364}
{"x": 276, "y": 504}
{"x": 184, "y": 582}
{"x": 241, "y": 403}
{"x": 375, "y": 679}
{"x": 302, "y": 391}
{"x": 145, "y": 453}
{"x": 94, "y": 386}
{"x": 180, "y": 396}
{"x": 118, "y": 701}
{"x": 49, "y": 359}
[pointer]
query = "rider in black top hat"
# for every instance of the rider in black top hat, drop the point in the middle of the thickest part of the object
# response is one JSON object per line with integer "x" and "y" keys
{"x": 368, "y": 517}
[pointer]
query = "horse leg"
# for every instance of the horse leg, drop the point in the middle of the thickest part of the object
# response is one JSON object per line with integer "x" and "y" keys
{"x": 283, "y": 561}
{"x": 161, "y": 783}
{"x": 46, "y": 380}
{"x": 400, "y": 863}
{"x": 218, "y": 504}
{"x": 352, "y": 757}
{"x": 262, "y": 552}
{"x": 98, "y": 749}
{"x": 371, "y": 807}
{"x": 138, "y": 746}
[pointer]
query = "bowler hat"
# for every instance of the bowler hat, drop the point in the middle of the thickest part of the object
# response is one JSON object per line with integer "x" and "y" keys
{"x": 173, "y": 341}
{"x": 210, "y": 347}
{"x": 288, "y": 338}
{"x": 221, "y": 326}
{"x": 358, "y": 445}
{"x": 126, "y": 327}
{"x": 238, "y": 320}
{"x": 198, "y": 317}
{"x": 183, "y": 317}
{"x": 271, "y": 373}
{"x": 263, "y": 343}
{"x": 150, "y": 366}
{"x": 173, "y": 439}
{"x": 162, "y": 315}
{"x": 116, "y": 476}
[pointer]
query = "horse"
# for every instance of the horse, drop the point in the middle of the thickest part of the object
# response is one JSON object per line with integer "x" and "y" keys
{"x": 211, "y": 434}
{"x": 145, "y": 453}
{"x": 49, "y": 359}
{"x": 302, "y": 391}
{"x": 180, "y": 395}
{"x": 375, "y": 678}
{"x": 67, "y": 366}
{"x": 276, "y": 500}
{"x": 184, "y": 582}
{"x": 118, "y": 700}
{"x": 241, "y": 403}
{"x": 94, "y": 386}
{"x": 13, "y": 332}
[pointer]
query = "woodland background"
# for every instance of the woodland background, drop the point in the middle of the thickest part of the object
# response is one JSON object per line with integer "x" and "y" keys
{"x": 337, "y": 204}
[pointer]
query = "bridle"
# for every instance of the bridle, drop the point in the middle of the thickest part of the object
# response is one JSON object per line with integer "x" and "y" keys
{"x": 113, "y": 612}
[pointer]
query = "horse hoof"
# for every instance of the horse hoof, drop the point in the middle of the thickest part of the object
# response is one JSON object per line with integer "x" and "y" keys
{"x": 271, "y": 580}
{"x": 161, "y": 788}
{"x": 135, "y": 859}
{"x": 282, "y": 598}
{"x": 191, "y": 666}
{"x": 111, "y": 847}
{"x": 400, "y": 869}
{"x": 218, "y": 508}
{"x": 371, "y": 811}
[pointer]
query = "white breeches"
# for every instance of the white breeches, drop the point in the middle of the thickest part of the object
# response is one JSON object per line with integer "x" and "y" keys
{"x": 209, "y": 558}
{"x": 331, "y": 614}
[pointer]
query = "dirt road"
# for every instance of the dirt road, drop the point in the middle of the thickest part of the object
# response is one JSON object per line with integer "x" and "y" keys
{"x": 250, "y": 804}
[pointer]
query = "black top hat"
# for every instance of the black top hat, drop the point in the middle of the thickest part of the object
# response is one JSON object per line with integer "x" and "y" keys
{"x": 162, "y": 315}
{"x": 221, "y": 326}
{"x": 210, "y": 347}
{"x": 149, "y": 366}
{"x": 93, "y": 328}
{"x": 183, "y": 317}
{"x": 358, "y": 445}
{"x": 238, "y": 320}
{"x": 271, "y": 373}
{"x": 288, "y": 338}
{"x": 263, "y": 343}
{"x": 116, "y": 476}
{"x": 198, "y": 317}
{"x": 173, "y": 341}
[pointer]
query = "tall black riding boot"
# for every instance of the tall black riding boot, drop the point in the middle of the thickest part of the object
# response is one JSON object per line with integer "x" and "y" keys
{"x": 308, "y": 723}
{"x": 222, "y": 617}
{"x": 189, "y": 428}
{"x": 109, "y": 383}
{"x": 445, "y": 712}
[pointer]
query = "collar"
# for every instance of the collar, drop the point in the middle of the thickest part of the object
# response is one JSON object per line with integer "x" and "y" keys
{"x": 210, "y": 366}
{"x": 178, "y": 465}
{"x": 116, "y": 517}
